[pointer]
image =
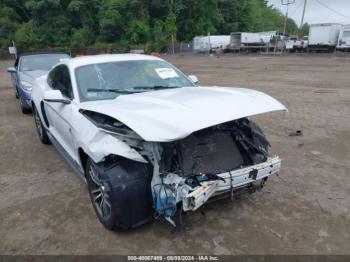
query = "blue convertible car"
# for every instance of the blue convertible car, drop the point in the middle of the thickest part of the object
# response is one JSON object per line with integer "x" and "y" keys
{"x": 27, "y": 68}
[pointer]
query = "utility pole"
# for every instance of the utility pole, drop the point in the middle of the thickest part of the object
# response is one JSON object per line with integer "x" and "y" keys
{"x": 302, "y": 17}
{"x": 287, "y": 3}
{"x": 172, "y": 35}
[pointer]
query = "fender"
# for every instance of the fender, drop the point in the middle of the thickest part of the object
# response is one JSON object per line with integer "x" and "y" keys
{"x": 98, "y": 144}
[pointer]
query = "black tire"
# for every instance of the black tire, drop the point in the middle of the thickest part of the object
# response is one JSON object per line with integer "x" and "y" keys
{"x": 16, "y": 94}
{"x": 40, "y": 129}
{"x": 125, "y": 187}
{"x": 24, "y": 110}
{"x": 100, "y": 196}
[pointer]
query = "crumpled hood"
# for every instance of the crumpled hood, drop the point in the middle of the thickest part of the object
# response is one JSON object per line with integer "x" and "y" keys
{"x": 168, "y": 115}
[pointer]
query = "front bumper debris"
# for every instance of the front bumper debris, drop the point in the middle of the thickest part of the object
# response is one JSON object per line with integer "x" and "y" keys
{"x": 234, "y": 180}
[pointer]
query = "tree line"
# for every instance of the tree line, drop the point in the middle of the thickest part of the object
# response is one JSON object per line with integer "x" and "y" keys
{"x": 147, "y": 23}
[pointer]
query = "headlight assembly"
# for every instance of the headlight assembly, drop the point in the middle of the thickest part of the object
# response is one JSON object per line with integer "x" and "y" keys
{"x": 26, "y": 85}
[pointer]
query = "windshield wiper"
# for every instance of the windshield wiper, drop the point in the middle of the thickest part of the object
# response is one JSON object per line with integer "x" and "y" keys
{"x": 111, "y": 91}
{"x": 153, "y": 87}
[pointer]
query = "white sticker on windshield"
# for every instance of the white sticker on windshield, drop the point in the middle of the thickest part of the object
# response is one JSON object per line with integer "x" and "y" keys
{"x": 166, "y": 73}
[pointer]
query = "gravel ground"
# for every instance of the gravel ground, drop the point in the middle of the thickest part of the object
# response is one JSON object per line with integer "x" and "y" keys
{"x": 45, "y": 208}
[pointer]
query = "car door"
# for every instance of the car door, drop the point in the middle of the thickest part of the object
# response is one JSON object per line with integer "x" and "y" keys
{"x": 59, "y": 115}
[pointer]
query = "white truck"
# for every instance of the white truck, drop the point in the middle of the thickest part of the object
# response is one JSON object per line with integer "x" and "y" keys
{"x": 295, "y": 44}
{"x": 344, "y": 39}
{"x": 210, "y": 43}
{"x": 242, "y": 39}
{"x": 324, "y": 36}
{"x": 267, "y": 36}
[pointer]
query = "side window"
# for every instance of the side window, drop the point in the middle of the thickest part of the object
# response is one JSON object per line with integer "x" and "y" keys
{"x": 59, "y": 78}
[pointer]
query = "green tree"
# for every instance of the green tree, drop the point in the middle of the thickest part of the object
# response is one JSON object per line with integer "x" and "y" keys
{"x": 291, "y": 27}
{"x": 82, "y": 37}
{"x": 305, "y": 29}
{"x": 83, "y": 13}
{"x": 110, "y": 20}
{"x": 170, "y": 26}
{"x": 9, "y": 22}
{"x": 159, "y": 35}
{"x": 25, "y": 35}
{"x": 198, "y": 17}
{"x": 60, "y": 23}
{"x": 138, "y": 27}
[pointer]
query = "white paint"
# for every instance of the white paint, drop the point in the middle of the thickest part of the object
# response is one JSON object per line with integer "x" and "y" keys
{"x": 173, "y": 114}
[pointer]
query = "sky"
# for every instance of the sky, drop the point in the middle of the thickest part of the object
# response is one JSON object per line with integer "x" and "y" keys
{"x": 317, "y": 11}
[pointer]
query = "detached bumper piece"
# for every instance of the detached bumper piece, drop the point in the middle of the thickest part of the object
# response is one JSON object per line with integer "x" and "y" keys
{"x": 233, "y": 181}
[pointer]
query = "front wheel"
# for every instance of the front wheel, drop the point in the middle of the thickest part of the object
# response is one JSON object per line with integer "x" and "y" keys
{"x": 100, "y": 195}
{"x": 24, "y": 110}
{"x": 120, "y": 192}
{"x": 40, "y": 129}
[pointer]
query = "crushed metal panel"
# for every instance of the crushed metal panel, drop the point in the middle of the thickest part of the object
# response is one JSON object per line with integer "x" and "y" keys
{"x": 103, "y": 144}
{"x": 172, "y": 114}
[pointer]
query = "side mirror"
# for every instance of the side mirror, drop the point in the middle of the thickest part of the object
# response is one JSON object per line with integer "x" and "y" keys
{"x": 55, "y": 96}
{"x": 12, "y": 69}
{"x": 193, "y": 78}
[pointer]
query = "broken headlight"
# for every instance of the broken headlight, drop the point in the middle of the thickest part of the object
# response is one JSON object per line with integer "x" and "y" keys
{"x": 106, "y": 122}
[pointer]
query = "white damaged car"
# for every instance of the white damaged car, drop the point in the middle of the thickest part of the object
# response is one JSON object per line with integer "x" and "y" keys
{"x": 147, "y": 140}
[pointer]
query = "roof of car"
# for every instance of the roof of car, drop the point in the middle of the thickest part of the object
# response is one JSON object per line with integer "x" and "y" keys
{"x": 41, "y": 53}
{"x": 95, "y": 59}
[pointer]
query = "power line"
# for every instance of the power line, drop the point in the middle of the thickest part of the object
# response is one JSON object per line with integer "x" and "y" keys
{"x": 331, "y": 9}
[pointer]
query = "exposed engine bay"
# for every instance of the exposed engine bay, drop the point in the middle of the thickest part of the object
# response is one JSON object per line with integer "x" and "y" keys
{"x": 196, "y": 168}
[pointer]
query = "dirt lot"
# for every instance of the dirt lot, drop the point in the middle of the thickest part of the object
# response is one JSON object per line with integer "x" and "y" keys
{"x": 45, "y": 208}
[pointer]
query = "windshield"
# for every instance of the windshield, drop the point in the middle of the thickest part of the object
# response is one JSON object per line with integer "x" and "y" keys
{"x": 109, "y": 80}
{"x": 40, "y": 62}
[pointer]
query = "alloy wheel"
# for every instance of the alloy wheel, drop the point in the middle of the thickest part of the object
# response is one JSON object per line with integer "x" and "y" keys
{"x": 100, "y": 197}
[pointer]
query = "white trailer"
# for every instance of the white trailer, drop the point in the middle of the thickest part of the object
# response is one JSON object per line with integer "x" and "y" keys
{"x": 324, "y": 36}
{"x": 267, "y": 36}
{"x": 209, "y": 43}
{"x": 243, "y": 39}
{"x": 344, "y": 38}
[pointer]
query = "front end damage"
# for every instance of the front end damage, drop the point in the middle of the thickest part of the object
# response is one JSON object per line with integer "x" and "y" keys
{"x": 177, "y": 154}
{"x": 216, "y": 161}
{"x": 185, "y": 174}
